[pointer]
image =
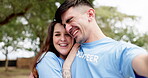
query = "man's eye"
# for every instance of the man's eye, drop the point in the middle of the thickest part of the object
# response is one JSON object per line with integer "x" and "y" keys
{"x": 69, "y": 20}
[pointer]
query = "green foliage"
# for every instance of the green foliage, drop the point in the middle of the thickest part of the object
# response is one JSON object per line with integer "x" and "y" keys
{"x": 9, "y": 35}
{"x": 110, "y": 15}
{"x": 108, "y": 18}
{"x": 37, "y": 15}
{"x": 12, "y": 29}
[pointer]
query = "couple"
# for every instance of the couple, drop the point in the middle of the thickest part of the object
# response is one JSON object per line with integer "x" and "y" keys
{"x": 98, "y": 55}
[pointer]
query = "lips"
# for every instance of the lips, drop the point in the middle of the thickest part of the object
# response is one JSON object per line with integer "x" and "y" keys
{"x": 73, "y": 31}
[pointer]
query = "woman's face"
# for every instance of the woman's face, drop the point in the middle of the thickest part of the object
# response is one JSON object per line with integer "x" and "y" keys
{"x": 62, "y": 41}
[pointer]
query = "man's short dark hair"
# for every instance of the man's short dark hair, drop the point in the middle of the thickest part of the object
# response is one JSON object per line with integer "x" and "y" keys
{"x": 68, "y": 4}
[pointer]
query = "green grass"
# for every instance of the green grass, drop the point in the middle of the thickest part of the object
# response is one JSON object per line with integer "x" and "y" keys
{"x": 14, "y": 72}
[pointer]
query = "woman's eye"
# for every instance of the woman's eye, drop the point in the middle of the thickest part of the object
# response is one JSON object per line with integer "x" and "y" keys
{"x": 57, "y": 34}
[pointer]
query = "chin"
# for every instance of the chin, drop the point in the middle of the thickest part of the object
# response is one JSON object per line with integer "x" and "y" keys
{"x": 64, "y": 53}
{"x": 80, "y": 41}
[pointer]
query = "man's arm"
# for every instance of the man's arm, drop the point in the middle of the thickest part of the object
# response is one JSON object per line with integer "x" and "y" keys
{"x": 140, "y": 64}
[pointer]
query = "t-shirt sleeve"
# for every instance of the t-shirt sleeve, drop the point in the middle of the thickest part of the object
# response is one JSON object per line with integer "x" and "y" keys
{"x": 128, "y": 54}
{"x": 49, "y": 67}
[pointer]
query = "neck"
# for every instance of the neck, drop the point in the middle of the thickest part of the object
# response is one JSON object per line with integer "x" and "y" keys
{"x": 63, "y": 57}
{"x": 96, "y": 34}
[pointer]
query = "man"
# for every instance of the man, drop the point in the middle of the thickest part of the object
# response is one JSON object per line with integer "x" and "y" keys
{"x": 99, "y": 56}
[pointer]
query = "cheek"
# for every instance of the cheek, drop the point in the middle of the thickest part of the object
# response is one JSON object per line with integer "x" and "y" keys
{"x": 55, "y": 40}
{"x": 71, "y": 41}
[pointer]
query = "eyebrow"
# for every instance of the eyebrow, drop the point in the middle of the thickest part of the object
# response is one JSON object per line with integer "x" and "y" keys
{"x": 56, "y": 32}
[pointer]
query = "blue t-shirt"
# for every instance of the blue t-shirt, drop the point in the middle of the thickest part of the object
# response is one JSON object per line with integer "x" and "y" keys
{"x": 105, "y": 58}
{"x": 50, "y": 66}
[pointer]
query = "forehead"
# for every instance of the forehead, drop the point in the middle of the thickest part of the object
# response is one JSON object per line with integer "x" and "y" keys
{"x": 71, "y": 12}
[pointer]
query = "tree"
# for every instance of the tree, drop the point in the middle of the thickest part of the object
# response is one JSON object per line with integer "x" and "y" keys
{"x": 9, "y": 36}
{"x": 7, "y": 48}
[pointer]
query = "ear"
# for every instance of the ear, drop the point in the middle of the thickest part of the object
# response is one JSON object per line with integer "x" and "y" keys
{"x": 91, "y": 14}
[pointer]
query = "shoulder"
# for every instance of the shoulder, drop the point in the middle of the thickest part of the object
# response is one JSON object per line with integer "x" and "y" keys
{"x": 49, "y": 57}
{"x": 49, "y": 60}
{"x": 51, "y": 64}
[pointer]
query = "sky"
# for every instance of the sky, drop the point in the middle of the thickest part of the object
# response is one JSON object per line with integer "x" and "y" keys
{"x": 130, "y": 7}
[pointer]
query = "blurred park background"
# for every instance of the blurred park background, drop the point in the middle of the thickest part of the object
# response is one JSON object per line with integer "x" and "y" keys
{"x": 23, "y": 28}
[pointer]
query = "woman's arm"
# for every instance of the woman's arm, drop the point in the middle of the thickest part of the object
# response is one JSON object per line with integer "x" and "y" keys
{"x": 67, "y": 64}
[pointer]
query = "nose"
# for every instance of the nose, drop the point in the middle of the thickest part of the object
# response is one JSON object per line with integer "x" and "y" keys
{"x": 67, "y": 27}
{"x": 63, "y": 38}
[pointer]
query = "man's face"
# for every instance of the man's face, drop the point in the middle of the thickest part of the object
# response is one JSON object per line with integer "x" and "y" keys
{"x": 76, "y": 24}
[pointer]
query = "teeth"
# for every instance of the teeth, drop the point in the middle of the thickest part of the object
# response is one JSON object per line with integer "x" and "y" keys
{"x": 75, "y": 32}
{"x": 63, "y": 45}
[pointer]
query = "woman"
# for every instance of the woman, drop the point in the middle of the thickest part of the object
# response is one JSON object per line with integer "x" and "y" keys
{"x": 49, "y": 61}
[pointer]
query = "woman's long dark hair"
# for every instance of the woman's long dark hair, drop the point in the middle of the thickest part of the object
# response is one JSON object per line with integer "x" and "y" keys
{"x": 47, "y": 46}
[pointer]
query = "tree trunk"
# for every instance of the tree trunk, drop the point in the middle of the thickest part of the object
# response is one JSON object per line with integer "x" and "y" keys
{"x": 6, "y": 61}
